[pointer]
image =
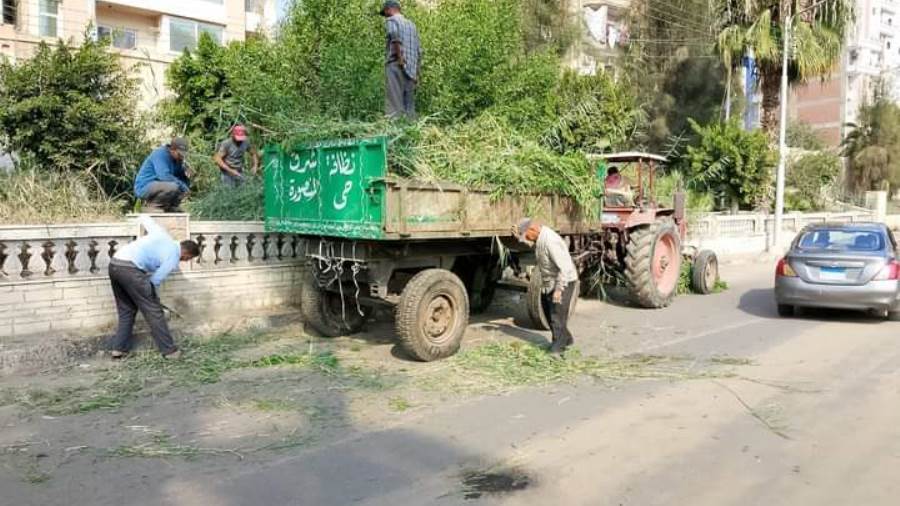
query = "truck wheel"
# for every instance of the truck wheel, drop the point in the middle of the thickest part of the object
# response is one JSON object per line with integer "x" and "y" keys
{"x": 653, "y": 263}
{"x": 704, "y": 272}
{"x": 535, "y": 309}
{"x": 432, "y": 315}
{"x": 322, "y": 311}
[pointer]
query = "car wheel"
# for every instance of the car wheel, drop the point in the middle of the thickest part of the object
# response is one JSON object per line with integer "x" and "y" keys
{"x": 785, "y": 310}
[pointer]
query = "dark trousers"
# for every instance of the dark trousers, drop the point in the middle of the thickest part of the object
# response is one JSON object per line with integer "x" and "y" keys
{"x": 163, "y": 197}
{"x": 558, "y": 317}
{"x": 134, "y": 291}
{"x": 400, "y": 92}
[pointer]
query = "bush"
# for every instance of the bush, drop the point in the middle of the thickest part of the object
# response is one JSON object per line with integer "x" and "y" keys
{"x": 730, "y": 163}
{"x": 73, "y": 109}
{"x": 808, "y": 178}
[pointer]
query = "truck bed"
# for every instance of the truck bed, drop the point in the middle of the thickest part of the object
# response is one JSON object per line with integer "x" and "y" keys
{"x": 341, "y": 189}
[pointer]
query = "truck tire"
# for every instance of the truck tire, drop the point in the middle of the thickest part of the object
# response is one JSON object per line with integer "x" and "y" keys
{"x": 704, "y": 272}
{"x": 321, "y": 310}
{"x": 653, "y": 263}
{"x": 535, "y": 309}
{"x": 432, "y": 315}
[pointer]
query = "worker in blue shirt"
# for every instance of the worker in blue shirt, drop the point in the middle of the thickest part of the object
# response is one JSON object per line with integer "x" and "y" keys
{"x": 136, "y": 271}
{"x": 163, "y": 179}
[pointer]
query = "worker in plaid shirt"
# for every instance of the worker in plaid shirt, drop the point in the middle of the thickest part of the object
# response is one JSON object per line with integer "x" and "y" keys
{"x": 402, "y": 57}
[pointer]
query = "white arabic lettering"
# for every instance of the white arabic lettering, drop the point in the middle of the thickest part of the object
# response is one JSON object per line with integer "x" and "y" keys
{"x": 306, "y": 192}
{"x": 342, "y": 203}
{"x": 341, "y": 163}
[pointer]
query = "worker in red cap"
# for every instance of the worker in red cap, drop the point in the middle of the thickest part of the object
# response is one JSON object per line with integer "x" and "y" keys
{"x": 230, "y": 156}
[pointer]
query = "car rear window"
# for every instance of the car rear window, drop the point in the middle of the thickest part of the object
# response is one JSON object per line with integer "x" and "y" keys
{"x": 842, "y": 240}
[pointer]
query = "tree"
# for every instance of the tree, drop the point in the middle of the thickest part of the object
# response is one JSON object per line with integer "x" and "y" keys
{"x": 817, "y": 35}
{"x": 671, "y": 63}
{"x": 729, "y": 162}
{"x": 808, "y": 177}
{"x": 73, "y": 109}
{"x": 872, "y": 145}
{"x": 549, "y": 25}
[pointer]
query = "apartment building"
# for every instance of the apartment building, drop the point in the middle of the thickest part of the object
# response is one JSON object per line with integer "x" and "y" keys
{"x": 871, "y": 53}
{"x": 149, "y": 34}
{"x": 605, "y": 31}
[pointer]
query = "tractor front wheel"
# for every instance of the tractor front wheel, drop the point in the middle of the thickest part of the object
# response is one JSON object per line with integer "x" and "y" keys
{"x": 653, "y": 263}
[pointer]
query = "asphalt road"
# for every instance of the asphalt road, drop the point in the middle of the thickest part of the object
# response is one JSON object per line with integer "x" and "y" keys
{"x": 813, "y": 419}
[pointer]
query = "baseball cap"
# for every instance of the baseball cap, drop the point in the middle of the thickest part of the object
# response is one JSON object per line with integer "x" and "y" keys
{"x": 180, "y": 144}
{"x": 239, "y": 132}
{"x": 388, "y": 4}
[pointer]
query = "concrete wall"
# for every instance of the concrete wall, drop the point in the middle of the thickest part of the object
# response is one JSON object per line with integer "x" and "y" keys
{"x": 751, "y": 233}
{"x": 53, "y": 278}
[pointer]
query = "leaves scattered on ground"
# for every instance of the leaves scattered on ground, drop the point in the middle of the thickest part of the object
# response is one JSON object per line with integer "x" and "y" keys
{"x": 509, "y": 364}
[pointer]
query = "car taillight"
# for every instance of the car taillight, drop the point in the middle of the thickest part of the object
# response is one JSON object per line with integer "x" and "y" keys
{"x": 891, "y": 271}
{"x": 784, "y": 269}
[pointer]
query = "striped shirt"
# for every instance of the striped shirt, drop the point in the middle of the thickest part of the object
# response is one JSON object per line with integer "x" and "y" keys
{"x": 399, "y": 29}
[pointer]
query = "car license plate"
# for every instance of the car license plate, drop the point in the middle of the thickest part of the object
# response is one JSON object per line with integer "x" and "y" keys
{"x": 832, "y": 273}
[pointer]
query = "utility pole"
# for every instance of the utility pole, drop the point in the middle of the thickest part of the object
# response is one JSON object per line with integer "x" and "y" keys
{"x": 782, "y": 125}
{"x": 782, "y": 135}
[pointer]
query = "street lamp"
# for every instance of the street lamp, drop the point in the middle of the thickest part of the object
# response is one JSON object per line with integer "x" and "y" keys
{"x": 782, "y": 124}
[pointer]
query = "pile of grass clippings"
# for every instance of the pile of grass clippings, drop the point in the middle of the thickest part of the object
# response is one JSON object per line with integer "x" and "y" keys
{"x": 485, "y": 152}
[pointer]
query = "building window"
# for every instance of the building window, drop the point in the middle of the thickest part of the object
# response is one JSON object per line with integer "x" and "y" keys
{"x": 254, "y": 6}
{"x": 184, "y": 34}
{"x": 122, "y": 38}
{"x": 10, "y": 11}
{"x": 48, "y": 18}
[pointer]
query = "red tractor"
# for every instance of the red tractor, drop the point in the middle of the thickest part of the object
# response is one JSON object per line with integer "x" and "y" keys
{"x": 642, "y": 241}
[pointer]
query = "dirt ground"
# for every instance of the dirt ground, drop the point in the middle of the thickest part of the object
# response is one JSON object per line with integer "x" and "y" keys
{"x": 250, "y": 396}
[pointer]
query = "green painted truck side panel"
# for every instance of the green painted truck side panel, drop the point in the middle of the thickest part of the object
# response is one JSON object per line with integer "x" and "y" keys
{"x": 332, "y": 188}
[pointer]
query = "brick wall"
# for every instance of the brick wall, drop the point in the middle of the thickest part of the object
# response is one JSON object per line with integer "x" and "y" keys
{"x": 53, "y": 279}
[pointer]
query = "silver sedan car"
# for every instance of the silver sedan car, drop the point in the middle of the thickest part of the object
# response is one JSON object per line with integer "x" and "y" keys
{"x": 841, "y": 266}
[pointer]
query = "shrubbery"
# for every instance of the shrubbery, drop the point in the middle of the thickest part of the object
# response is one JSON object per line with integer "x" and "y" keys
{"x": 73, "y": 109}
{"x": 730, "y": 163}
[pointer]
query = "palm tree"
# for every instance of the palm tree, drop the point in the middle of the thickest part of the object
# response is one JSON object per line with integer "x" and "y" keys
{"x": 756, "y": 27}
{"x": 872, "y": 145}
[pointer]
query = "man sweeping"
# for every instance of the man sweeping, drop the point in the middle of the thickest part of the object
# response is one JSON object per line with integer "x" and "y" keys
{"x": 136, "y": 271}
{"x": 558, "y": 275}
{"x": 402, "y": 58}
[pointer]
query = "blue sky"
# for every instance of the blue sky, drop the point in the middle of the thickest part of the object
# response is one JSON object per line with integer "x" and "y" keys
{"x": 282, "y": 5}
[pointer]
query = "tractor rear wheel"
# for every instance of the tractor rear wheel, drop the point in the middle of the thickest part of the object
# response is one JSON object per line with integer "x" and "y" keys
{"x": 535, "y": 309}
{"x": 653, "y": 263}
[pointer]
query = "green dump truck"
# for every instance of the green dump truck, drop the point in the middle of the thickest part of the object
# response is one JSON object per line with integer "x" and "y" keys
{"x": 432, "y": 251}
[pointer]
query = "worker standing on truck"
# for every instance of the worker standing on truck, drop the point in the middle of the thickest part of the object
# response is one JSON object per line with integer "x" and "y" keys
{"x": 558, "y": 275}
{"x": 162, "y": 181}
{"x": 230, "y": 156}
{"x": 403, "y": 55}
{"x": 136, "y": 271}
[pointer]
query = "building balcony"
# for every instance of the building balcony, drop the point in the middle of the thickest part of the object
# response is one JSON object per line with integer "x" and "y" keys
{"x": 208, "y": 11}
{"x": 623, "y": 5}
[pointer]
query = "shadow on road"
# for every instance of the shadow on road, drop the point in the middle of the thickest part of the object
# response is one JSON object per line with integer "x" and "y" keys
{"x": 761, "y": 303}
